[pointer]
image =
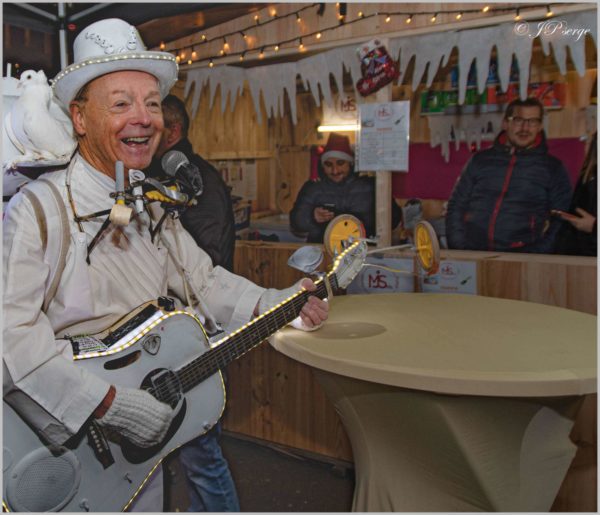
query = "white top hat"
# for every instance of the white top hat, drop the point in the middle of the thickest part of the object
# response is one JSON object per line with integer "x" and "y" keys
{"x": 108, "y": 46}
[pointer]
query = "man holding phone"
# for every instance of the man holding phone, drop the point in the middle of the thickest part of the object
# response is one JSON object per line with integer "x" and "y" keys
{"x": 504, "y": 196}
{"x": 337, "y": 191}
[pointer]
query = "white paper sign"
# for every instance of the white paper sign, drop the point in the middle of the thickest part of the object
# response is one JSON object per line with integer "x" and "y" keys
{"x": 452, "y": 277}
{"x": 378, "y": 280}
{"x": 383, "y": 136}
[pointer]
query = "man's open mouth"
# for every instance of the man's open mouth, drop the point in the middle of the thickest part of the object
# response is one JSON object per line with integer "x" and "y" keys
{"x": 136, "y": 141}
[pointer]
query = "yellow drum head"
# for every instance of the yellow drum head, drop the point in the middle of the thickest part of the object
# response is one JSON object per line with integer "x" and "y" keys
{"x": 427, "y": 247}
{"x": 340, "y": 229}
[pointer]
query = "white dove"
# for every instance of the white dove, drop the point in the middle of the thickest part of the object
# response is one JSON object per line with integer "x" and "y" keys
{"x": 42, "y": 132}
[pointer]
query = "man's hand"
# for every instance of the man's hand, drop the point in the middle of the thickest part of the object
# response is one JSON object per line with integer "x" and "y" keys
{"x": 312, "y": 314}
{"x": 323, "y": 215}
{"x": 315, "y": 311}
{"x": 137, "y": 415}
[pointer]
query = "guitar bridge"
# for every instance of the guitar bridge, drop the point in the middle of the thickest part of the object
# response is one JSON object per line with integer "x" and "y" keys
{"x": 99, "y": 445}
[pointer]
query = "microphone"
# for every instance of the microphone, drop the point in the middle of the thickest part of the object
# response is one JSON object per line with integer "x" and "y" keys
{"x": 176, "y": 165}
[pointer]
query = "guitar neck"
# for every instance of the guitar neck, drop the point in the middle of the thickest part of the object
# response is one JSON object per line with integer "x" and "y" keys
{"x": 249, "y": 336}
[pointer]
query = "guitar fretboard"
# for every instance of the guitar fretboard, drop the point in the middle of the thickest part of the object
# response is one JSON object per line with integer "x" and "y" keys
{"x": 240, "y": 342}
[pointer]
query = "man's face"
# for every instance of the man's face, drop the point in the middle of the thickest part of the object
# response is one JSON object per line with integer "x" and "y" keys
{"x": 120, "y": 120}
{"x": 336, "y": 170}
{"x": 523, "y": 126}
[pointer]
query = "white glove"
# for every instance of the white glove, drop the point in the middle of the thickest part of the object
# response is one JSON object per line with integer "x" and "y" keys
{"x": 271, "y": 297}
{"x": 138, "y": 416}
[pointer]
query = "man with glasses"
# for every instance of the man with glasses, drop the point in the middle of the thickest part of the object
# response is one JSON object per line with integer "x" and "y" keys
{"x": 503, "y": 198}
{"x": 337, "y": 191}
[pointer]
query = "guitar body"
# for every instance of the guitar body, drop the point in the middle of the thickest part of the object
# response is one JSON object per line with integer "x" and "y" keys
{"x": 73, "y": 478}
{"x": 166, "y": 353}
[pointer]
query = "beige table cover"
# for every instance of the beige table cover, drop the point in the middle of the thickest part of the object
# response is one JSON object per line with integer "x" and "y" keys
{"x": 453, "y": 402}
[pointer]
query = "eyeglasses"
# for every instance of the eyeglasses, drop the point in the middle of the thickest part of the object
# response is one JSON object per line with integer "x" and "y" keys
{"x": 532, "y": 122}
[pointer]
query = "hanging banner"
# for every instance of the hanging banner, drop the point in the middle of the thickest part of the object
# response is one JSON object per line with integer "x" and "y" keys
{"x": 382, "y": 143}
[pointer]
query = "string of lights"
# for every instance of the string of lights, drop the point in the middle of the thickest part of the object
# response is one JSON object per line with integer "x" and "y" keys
{"x": 342, "y": 20}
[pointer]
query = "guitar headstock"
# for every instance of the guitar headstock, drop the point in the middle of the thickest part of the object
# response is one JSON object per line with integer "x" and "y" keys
{"x": 347, "y": 265}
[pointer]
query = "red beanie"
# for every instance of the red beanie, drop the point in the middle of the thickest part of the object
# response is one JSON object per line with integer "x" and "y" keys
{"x": 338, "y": 147}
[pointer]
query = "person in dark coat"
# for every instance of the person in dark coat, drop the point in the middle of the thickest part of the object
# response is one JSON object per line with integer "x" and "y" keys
{"x": 211, "y": 223}
{"x": 578, "y": 234}
{"x": 504, "y": 197}
{"x": 337, "y": 191}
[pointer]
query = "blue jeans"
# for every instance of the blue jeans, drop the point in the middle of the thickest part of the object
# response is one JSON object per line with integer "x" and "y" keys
{"x": 210, "y": 483}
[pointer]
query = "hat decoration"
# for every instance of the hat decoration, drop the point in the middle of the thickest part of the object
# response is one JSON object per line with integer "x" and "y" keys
{"x": 108, "y": 46}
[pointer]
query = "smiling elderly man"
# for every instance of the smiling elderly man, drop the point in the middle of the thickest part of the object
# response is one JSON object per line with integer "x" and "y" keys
{"x": 113, "y": 91}
{"x": 504, "y": 196}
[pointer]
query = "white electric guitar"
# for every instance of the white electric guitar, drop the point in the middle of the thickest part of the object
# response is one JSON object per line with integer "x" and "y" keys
{"x": 166, "y": 353}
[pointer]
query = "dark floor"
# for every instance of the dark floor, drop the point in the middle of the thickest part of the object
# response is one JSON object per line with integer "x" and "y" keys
{"x": 269, "y": 478}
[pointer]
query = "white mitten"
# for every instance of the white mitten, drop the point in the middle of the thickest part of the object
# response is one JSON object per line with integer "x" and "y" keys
{"x": 271, "y": 297}
{"x": 138, "y": 416}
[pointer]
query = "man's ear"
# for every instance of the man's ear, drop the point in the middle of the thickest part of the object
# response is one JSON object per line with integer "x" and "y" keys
{"x": 77, "y": 118}
{"x": 174, "y": 134}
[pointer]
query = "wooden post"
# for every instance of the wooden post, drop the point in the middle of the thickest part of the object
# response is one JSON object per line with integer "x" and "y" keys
{"x": 383, "y": 183}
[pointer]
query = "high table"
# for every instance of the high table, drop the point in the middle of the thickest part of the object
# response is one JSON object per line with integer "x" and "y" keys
{"x": 452, "y": 402}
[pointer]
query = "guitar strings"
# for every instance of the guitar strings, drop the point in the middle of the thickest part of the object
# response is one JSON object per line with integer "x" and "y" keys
{"x": 214, "y": 359}
{"x": 211, "y": 361}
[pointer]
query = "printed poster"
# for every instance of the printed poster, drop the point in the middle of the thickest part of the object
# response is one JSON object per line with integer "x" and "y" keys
{"x": 378, "y": 280}
{"x": 382, "y": 143}
{"x": 452, "y": 277}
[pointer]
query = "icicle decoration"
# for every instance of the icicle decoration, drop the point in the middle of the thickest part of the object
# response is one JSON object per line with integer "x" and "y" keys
{"x": 553, "y": 32}
{"x": 429, "y": 50}
{"x": 472, "y": 128}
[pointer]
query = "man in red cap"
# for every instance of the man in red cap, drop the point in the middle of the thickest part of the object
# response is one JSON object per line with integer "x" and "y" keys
{"x": 337, "y": 191}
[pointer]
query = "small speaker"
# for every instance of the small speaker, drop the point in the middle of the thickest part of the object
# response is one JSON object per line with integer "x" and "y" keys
{"x": 43, "y": 482}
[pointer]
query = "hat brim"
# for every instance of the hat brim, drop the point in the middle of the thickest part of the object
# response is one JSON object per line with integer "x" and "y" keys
{"x": 161, "y": 65}
{"x": 336, "y": 154}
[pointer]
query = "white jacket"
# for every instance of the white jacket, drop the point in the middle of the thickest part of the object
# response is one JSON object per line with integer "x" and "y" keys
{"x": 126, "y": 271}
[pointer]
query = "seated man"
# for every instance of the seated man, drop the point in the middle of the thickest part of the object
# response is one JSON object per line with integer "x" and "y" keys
{"x": 339, "y": 190}
{"x": 503, "y": 198}
{"x": 113, "y": 91}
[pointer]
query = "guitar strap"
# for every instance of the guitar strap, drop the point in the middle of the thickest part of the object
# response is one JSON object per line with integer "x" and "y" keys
{"x": 51, "y": 217}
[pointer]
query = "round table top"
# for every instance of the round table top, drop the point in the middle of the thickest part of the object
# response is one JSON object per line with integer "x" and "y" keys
{"x": 452, "y": 343}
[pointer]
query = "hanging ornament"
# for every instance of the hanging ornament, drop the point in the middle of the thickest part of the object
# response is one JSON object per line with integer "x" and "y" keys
{"x": 376, "y": 66}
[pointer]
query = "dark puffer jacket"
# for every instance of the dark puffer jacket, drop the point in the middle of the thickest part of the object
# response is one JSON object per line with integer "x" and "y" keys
{"x": 354, "y": 196}
{"x": 211, "y": 221}
{"x": 503, "y": 198}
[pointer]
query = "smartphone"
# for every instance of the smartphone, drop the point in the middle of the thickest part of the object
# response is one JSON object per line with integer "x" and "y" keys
{"x": 329, "y": 207}
{"x": 563, "y": 215}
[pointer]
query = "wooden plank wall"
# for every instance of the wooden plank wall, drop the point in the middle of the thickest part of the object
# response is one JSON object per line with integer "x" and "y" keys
{"x": 274, "y": 398}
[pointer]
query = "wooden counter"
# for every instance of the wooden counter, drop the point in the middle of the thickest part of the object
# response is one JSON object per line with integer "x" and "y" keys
{"x": 274, "y": 398}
